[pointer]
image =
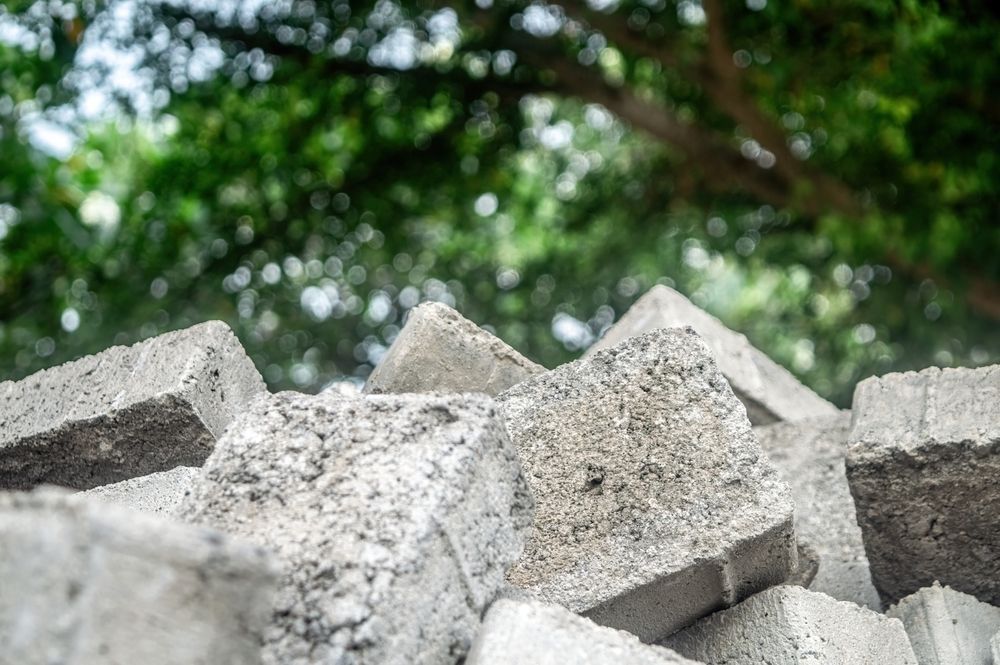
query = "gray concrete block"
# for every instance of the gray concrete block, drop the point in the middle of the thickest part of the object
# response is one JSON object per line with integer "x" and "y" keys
{"x": 788, "y": 625}
{"x": 534, "y": 633}
{"x": 85, "y": 583}
{"x": 654, "y": 503}
{"x": 946, "y": 627}
{"x": 156, "y": 493}
{"x": 125, "y": 412}
{"x": 809, "y": 456}
{"x": 395, "y": 516}
{"x": 440, "y": 350}
{"x": 769, "y": 392}
{"x": 923, "y": 463}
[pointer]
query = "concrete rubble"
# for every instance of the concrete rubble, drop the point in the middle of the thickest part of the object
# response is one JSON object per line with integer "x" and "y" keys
{"x": 125, "y": 412}
{"x": 654, "y": 503}
{"x": 156, "y": 493}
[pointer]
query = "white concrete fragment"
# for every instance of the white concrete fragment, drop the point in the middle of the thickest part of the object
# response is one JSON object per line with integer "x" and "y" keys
{"x": 156, "y": 493}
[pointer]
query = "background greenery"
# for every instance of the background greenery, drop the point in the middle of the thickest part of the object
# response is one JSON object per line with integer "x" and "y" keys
{"x": 821, "y": 175}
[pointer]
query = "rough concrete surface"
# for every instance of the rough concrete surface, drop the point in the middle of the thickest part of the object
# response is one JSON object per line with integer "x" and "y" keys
{"x": 923, "y": 464}
{"x": 125, "y": 412}
{"x": 440, "y": 350}
{"x": 769, "y": 391}
{"x": 654, "y": 503}
{"x": 156, "y": 493}
{"x": 788, "y": 625}
{"x": 809, "y": 456}
{"x": 947, "y": 627}
{"x": 84, "y": 583}
{"x": 534, "y": 633}
{"x": 395, "y": 516}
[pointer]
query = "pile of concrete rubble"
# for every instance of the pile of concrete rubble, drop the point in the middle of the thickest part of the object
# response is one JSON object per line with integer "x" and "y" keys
{"x": 674, "y": 496}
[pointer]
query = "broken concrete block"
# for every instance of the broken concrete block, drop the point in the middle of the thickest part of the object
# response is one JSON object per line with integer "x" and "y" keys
{"x": 440, "y": 350}
{"x": 85, "y": 583}
{"x": 125, "y": 412}
{"x": 395, "y": 516}
{"x": 534, "y": 633}
{"x": 947, "y": 627}
{"x": 768, "y": 391}
{"x": 809, "y": 456}
{"x": 654, "y": 503}
{"x": 788, "y": 625}
{"x": 923, "y": 463}
{"x": 156, "y": 493}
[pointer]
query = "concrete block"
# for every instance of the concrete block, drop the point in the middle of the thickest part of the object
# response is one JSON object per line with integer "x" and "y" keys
{"x": 788, "y": 625}
{"x": 947, "y": 627}
{"x": 440, "y": 350}
{"x": 809, "y": 456}
{"x": 768, "y": 391}
{"x": 156, "y": 493}
{"x": 85, "y": 583}
{"x": 923, "y": 463}
{"x": 125, "y": 412}
{"x": 395, "y": 516}
{"x": 534, "y": 633}
{"x": 654, "y": 503}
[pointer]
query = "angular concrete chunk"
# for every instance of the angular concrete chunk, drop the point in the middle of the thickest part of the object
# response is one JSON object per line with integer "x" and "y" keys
{"x": 923, "y": 464}
{"x": 789, "y": 625}
{"x": 534, "y": 633}
{"x": 83, "y": 583}
{"x": 156, "y": 493}
{"x": 769, "y": 391}
{"x": 809, "y": 456}
{"x": 125, "y": 412}
{"x": 396, "y": 517}
{"x": 440, "y": 350}
{"x": 655, "y": 505}
{"x": 947, "y": 627}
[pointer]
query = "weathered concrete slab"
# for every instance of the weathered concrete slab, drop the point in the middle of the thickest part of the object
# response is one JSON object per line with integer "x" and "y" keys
{"x": 654, "y": 503}
{"x": 946, "y": 627}
{"x": 534, "y": 633}
{"x": 788, "y": 625}
{"x": 396, "y": 517}
{"x": 809, "y": 456}
{"x": 125, "y": 412}
{"x": 440, "y": 350}
{"x": 923, "y": 464}
{"x": 768, "y": 391}
{"x": 84, "y": 583}
{"x": 156, "y": 493}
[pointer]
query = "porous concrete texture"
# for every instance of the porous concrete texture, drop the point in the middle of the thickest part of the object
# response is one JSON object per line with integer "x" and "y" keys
{"x": 395, "y": 516}
{"x": 948, "y": 627}
{"x": 654, "y": 503}
{"x": 156, "y": 493}
{"x": 440, "y": 350}
{"x": 923, "y": 464}
{"x": 809, "y": 456}
{"x": 789, "y": 625}
{"x": 534, "y": 633}
{"x": 768, "y": 391}
{"x": 85, "y": 583}
{"x": 125, "y": 412}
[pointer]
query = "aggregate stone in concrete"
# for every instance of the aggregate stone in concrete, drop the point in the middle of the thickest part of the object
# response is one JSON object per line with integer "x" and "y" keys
{"x": 809, "y": 456}
{"x": 923, "y": 464}
{"x": 396, "y": 517}
{"x": 85, "y": 583}
{"x": 534, "y": 633}
{"x": 768, "y": 391}
{"x": 125, "y": 412}
{"x": 654, "y": 503}
{"x": 440, "y": 350}
{"x": 947, "y": 627}
{"x": 789, "y": 625}
{"x": 156, "y": 493}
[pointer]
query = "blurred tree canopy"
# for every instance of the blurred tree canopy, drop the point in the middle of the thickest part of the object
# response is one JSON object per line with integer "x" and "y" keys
{"x": 821, "y": 175}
